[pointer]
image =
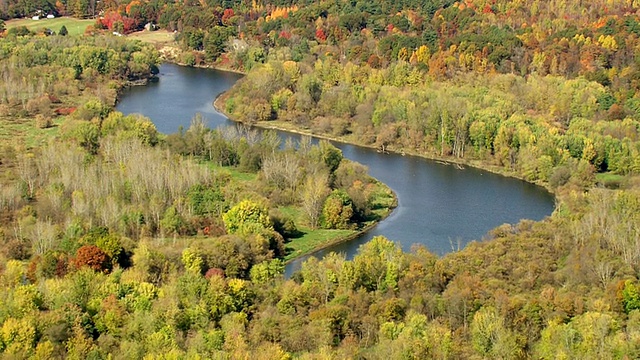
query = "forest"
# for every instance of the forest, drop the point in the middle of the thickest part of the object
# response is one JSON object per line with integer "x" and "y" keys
{"x": 121, "y": 242}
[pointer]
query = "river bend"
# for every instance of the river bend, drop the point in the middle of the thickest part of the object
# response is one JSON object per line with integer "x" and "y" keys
{"x": 439, "y": 206}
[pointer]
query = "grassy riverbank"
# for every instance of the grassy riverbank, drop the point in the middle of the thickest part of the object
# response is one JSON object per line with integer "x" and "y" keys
{"x": 312, "y": 240}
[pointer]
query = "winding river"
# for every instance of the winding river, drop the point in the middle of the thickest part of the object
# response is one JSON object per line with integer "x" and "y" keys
{"x": 439, "y": 206}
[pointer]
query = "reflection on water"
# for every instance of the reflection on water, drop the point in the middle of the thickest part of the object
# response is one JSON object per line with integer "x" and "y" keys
{"x": 439, "y": 205}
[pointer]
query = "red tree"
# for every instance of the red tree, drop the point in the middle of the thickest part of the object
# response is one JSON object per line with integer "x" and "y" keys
{"x": 320, "y": 35}
{"x": 226, "y": 15}
{"x": 93, "y": 257}
{"x": 111, "y": 18}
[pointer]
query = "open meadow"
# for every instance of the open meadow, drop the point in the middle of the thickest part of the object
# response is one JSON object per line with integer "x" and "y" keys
{"x": 159, "y": 37}
{"x": 74, "y": 26}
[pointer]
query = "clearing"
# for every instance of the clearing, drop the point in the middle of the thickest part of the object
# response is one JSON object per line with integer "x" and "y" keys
{"x": 158, "y": 37}
{"x": 74, "y": 26}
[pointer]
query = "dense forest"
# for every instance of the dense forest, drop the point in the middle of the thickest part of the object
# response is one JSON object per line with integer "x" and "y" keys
{"x": 120, "y": 242}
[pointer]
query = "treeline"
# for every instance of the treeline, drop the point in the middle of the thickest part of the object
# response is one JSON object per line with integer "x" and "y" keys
{"x": 440, "y": 37}
{"x": 543, "y": 128}
{"x": 597, "y": 40}
{"x": 11, "y": 9}
{"x": 565, "y": 287}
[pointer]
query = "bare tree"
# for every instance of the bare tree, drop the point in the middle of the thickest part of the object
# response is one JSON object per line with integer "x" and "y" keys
{"x": 28, "y": 173}
{"x": 43, "y": 235}
{"x": 291, "y": 170}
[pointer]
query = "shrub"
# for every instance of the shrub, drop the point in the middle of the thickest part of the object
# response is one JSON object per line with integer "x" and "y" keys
{"x": 43, "y": 122}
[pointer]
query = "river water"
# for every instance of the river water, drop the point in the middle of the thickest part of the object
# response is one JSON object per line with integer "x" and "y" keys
{"x": 439, "y": 206}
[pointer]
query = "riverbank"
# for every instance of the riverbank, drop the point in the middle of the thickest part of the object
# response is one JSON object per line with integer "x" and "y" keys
{"x": 324, "y": 244}
{"x": 172, "y": 54}
{"x": 457, "y": 162}
{"x": 320, "y": 243}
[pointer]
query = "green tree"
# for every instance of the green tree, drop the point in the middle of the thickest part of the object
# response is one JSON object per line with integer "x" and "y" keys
{"x": 337, "y": 211}
{"x": 79, "y": 8}
{"x": 192, "y": 260}
{"x": 19, "y": 31}
{"x": 266, "y": 271}
{"x": 330, "y": 155}
{"x": 378, "y": 265}
{"x": 248, "y": 217}
{"x": 215, "y": 42}
{"x": 630, "y": 297}
{"x": 112, "y": 246}
{"x": 63, "y": 31}
{"x": 314, "y": 192}
{"x": 589, "y": 336}
{"x": 17, "y": 336}
{"x": 88, "y": 136}
{"x": 172, "y": 222}
{"x": 490, "y": 337}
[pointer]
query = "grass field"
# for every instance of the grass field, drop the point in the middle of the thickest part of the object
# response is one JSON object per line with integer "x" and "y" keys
{"x": 314, "y": 240}
{"x": 159, "y": 37}
{"x": 23, "y": 132}
{"x": 74, "y": 26}
{"x": 610, "y": 180}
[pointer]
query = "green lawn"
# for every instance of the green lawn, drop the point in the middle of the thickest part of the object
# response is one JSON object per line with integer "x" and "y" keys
{"x": 610, "y": 180}
{"x": 310, "y": 239}
{"x": 24, "y": 132}
{"x": 313, "y": 240}
{"x": 232, "y": 171}
{"x": 74, "y": 26}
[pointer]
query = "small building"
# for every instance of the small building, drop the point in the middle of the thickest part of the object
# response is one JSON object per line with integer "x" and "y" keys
{"x": 150, "y": 26}
{"x": 35, "y": 17}
{"x": 51, "y": 16}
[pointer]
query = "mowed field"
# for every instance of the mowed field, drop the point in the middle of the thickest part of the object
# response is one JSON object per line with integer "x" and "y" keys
{"x": 159, "y": 37}
{"x": 74, "y": 26}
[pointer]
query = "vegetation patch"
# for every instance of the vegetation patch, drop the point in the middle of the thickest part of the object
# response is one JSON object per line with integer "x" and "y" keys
{"x": 158, "y": 38}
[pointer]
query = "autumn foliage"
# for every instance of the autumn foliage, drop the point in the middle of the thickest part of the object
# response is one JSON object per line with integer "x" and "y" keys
{"x": 116, "y": 22}
{"x": 93, "y": 257}
{"x": 320, "y": 35}
{"x": 226, "y": 15}
{"x": 281, "y": 12}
